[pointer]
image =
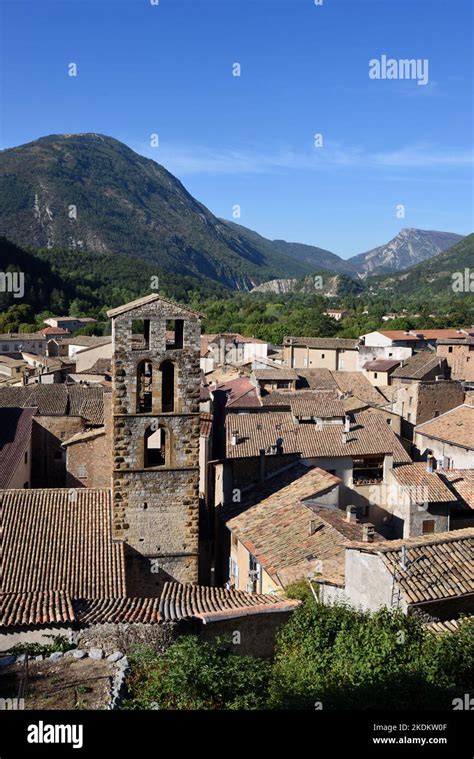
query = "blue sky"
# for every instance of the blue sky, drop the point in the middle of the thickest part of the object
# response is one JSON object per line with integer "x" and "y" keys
{"x": 166, "y": 69}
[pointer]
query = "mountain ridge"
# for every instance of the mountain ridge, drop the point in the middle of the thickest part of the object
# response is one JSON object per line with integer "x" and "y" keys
{"x": 408, "y": 248}
{"x": 90, "y": 192}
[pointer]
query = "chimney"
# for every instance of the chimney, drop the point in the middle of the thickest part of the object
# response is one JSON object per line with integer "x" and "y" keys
{"x": 351, "y": 514}
{"x": 387, "y": 464}
{"x": 234, "y": 438}
{"x": 368, "y": 531}
{"x": 262, "y": 464}
{"x": 430, "y": 463}
{"x": 347, "y": 423}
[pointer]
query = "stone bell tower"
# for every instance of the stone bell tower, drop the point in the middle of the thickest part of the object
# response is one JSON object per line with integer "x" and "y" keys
{"x": 155, "y": 478}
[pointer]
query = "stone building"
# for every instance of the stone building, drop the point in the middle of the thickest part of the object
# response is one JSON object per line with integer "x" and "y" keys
{"x": 417, "y": 402}
{"x": 333, "y": 353}
{"x": 155, "y": 480}
{"x": 428, "y": 575}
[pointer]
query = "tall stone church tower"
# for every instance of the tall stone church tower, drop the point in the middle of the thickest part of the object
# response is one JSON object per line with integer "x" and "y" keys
{"x": 155, "y": 478}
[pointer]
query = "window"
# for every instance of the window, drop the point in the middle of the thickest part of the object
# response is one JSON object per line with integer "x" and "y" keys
{"x": 375, "y": 375}
{"x": 428, "y": 525}
{"x": 450, "y": 349}
{"x": 167, "y": 387}
{"x": 408, "y": 417}
{"x": 389, "y": 421}
{"x": 26, "y": 457}
{"x": 174, "y": 334}
{"x": 410, "y": 400}
{"x": 144, "y": 387}
{"x": 254, "y": 581}
{"x": 140, "y": 334}
{"x": 82, "y": 471}
{"x": 323, "y": 355}
{"x": 155, "y": 447}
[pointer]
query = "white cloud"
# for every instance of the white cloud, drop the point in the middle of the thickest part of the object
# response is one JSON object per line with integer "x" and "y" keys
{"x": 187, "y": 159}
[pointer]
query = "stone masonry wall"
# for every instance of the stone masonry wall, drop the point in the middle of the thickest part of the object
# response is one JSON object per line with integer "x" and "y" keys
{"x": 155, "y": 510}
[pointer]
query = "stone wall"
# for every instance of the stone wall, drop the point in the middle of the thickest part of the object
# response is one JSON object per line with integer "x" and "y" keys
{"x": 156, "y": 509}
{"x": 48, "y": 457}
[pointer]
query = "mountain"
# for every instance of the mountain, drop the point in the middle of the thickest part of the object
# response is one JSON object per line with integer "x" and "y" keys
{"x": 89, "y": 192}
{"x": 316, "y": 258}
{"x": 93, "y": 281}
{"x": 324, "y": 283}
{"x": 432, "y": 277}
{"x": 409, "y": 247}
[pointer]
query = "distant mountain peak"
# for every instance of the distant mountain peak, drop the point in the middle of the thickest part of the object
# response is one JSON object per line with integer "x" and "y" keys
{"x": 408, "y": 248}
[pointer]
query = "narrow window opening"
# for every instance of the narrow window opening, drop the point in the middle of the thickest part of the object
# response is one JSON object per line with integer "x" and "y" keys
{"x": 155, "y": 448}
{"x": 144, "y": 387}
{"x": 140, "y": 334}
{"x": 174, "y": 334}
{"x": 167, "y": 387}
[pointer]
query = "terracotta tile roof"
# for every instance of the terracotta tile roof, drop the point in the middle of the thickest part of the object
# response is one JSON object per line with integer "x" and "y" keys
{"x": 290, "y": 472}
{"x": 438, "y": 567}
{"x": 19, "y": 336}
{"x": 428, "y": 485}
{"x": 101, "y": 366}
{"x": 57, "y": 400}
{"x": 15, "y": 436}
{"x": 87, "y": 402}
{"x": 240, "y": 393}
{"x": 455, "y": 427}
{"x": 448, "y": 625}
{"x": 380, "y": 365}
{"x": 419, "y": 365}
{"x": 47, "y": 331}
{"x": 355, "y": 383}
{"x": 330, "y": 343}
{"x": 439, "y": 334}
{"x": 461, "y": 482}
{"x": 87, "y": 341}
{"x": 116, "y": 610}
{"x": 43, "y": 607}
{"x": 79, "y": 437}
{"x": 151, "y": 298}
{"x": 292, "y": 538}
{"x": 369, "y": 435}
{"x": 459, "y": 340}
{"x": 397, "y": 334}
{"x": 423, "y": 334}
{"x": 14, "y": 362}
{"x": 206, "y": 424}
{"x": 275, "y": 374}
{"x": 323, "y": 405}
{"x": 317, "y": 379}
{"x": 213, "y": 604}
{"x": 60, "y": 539}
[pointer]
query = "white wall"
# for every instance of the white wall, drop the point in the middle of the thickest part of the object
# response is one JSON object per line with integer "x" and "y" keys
{"x": 461, "y": 458}
{"x": 86, "y": 357}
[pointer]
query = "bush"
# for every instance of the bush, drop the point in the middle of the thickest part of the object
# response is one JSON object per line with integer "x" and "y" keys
{"x": 348, "y": 659}
{"x": 193, "y": 674}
